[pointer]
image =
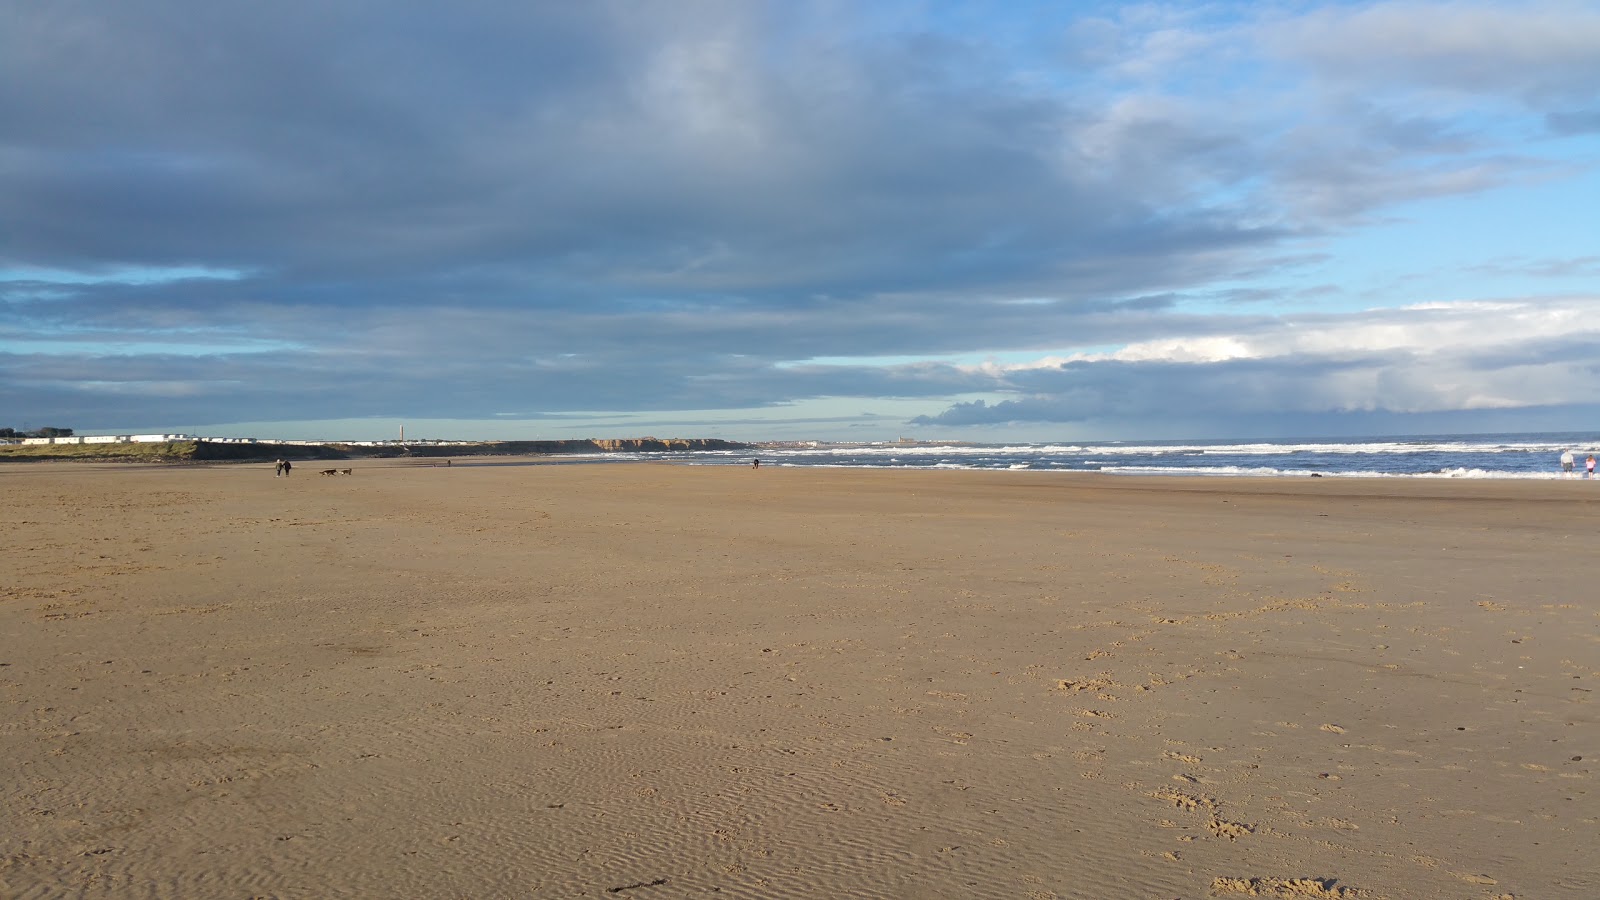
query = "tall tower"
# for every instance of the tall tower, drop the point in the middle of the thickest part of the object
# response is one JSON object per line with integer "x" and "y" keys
{"x": 402, "y": 434}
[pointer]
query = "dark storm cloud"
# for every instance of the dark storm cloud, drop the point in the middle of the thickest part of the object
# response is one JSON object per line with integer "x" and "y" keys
{"x": 589, "y": 149}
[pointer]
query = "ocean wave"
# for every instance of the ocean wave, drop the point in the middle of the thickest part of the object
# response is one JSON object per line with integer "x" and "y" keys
{"x": 1234, "y": 471}
{"x": 1253, "y": 448}
{"x": 1499, "y": 456}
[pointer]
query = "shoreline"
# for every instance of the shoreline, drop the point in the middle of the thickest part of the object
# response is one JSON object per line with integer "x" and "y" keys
{"x": 1378, "y": 483}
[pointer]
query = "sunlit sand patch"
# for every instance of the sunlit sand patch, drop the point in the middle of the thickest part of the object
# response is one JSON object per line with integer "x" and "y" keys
{"x": 663, "y": 676}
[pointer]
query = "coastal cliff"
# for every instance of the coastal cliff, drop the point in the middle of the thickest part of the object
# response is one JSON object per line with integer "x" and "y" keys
{"x": 235, "y": 451}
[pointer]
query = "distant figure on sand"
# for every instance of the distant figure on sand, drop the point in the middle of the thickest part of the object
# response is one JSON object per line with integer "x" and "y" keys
{"x": 1566, "y": 463}
{"x": 277, "y": 469}
{"x": 286, "y": 468}
{"x": 1588, "y": 466}
{"x": 755, "y": 463}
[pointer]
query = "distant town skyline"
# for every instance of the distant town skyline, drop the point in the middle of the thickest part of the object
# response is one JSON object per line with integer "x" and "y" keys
{"x": 800, "y": 220}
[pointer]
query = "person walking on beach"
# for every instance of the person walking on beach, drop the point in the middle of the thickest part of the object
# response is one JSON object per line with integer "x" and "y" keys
{"x": 286, "y": 468}
{"x": 1588, "y": 467}
{"x": 1566, "y": 463}
{"x": 277, "y": 469}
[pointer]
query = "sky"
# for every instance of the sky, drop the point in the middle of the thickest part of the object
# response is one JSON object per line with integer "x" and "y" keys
{"x": 826, "y": 220}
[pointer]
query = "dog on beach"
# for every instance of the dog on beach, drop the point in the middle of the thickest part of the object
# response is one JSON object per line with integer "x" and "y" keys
{"x": 346, "y": 471}
{"x": 329, "y": 472}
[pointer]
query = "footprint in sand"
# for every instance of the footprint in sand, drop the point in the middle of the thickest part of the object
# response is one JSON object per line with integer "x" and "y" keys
{"x": 1281, "y": 887}
{"x": 1230, "y": 830}
{"x": 1084, "y": 684}
{"x": 1181, "y": 800}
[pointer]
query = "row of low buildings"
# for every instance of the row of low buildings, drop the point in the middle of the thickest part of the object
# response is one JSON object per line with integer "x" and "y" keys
{"x": 163, "y": 438}
{"x": 111, "y": 439}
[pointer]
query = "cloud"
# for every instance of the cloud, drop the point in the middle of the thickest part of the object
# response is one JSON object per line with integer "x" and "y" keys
{"x": 1570, "y": 267}
{"x": 1427, "y": 359}
{"x": 1575, "y": 122}
{"x": 1530, "y": 52}
{"x": 301, "y": 211}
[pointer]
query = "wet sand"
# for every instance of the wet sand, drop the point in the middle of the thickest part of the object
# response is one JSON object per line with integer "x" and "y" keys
{"x": 653, "y": 681}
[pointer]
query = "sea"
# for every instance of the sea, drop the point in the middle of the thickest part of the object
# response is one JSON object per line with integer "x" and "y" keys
{"x": 1531, "y": 456}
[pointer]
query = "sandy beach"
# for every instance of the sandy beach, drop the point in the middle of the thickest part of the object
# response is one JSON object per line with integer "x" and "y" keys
{"x": 654, "y": 681}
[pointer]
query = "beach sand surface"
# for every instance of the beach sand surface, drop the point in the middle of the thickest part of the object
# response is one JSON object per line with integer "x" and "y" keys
{"x": 657, "y": 681}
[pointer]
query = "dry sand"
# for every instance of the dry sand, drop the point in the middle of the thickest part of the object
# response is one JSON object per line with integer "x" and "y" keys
{"x": 652, "y": 681}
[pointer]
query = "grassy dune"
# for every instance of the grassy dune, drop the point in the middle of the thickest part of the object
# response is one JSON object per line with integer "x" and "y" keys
{"x": 132, "y": 452}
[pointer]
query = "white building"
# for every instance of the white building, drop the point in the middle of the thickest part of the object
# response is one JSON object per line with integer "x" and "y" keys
{"x": 110, "y": 439}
